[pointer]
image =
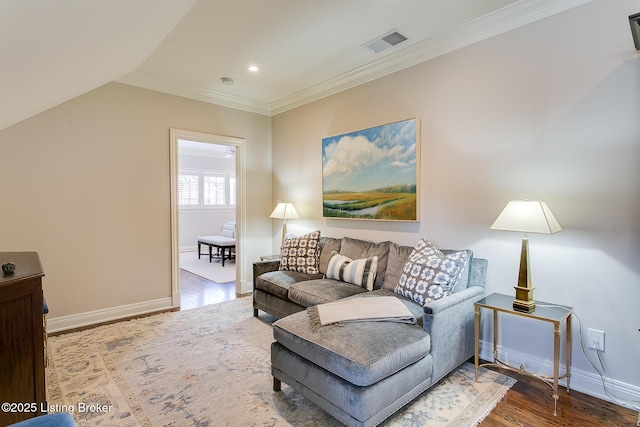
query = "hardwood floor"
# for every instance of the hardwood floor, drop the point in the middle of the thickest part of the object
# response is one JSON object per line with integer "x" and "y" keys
{"x": 529, "y": 403}
{"x": 196, "y": 291}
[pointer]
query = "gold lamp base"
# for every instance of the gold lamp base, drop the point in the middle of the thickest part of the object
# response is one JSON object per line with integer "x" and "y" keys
{"x": 524, "y": 300}
{"x": 524, "y": 291}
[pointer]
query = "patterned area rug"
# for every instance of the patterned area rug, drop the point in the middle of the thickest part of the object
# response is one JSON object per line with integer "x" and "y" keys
{"x": 213, "y": 271}
{"x": 210, "y": 366}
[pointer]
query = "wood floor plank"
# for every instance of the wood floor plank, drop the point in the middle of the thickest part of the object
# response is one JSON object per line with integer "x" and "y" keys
{"x": 529, "y": 404}
{"x": 196, "y": 291}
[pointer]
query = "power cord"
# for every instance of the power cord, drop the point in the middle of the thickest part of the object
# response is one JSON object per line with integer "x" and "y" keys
{"x": 627, "y": 403}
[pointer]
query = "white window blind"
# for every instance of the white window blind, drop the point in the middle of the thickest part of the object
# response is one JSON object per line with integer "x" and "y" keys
{"x": 202, "y": 189}
{"x": 188, "y": 189}
{"x": 232, "y": 190}
{"x": 214, "y": 190}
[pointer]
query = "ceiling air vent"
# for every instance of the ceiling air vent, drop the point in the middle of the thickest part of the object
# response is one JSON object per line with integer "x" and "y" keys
{"x": 381, "y": 43}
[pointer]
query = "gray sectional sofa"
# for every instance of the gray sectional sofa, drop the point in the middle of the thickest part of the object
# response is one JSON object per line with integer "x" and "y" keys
{"x": 363, "y": 372}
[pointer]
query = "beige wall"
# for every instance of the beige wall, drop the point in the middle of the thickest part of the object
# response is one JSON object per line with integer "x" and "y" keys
{"x": 550, "y": 111}
{"x": 86, "y": 184}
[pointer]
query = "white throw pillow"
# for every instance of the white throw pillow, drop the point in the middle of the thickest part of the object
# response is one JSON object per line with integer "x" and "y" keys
{"x": 360, "y": 272}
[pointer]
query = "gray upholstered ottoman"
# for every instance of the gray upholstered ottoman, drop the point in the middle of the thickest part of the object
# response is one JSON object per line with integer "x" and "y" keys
{"x": 359, "y": 372}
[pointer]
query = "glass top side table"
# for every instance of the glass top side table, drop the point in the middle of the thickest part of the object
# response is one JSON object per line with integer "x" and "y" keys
{"x": 546, "y": 312}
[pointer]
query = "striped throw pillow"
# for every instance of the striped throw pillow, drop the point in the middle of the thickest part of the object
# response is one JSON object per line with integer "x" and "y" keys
{"x": 360, "y": 272}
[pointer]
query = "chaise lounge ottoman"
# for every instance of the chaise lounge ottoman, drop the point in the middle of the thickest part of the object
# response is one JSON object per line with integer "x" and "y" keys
{"x": 360, "y": 372}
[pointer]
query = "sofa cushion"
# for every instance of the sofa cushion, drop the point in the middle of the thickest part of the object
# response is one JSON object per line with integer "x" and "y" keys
{"x": 362, "y": 353}
{"x": 430, "y": 275}
{"x": 356, "y": 248}
{"x": 327, "y": 246}
{"x": 320, "y": 291}
{"x": 278, "y": 282}
{"x": 360, "y": 272}
{"x": 398, "y": 256}
{"x": 301, "y": 253}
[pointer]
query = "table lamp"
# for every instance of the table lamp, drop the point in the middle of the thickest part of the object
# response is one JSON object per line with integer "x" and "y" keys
{"x": 526, "y": 216}
{"x": 284, "y": 211}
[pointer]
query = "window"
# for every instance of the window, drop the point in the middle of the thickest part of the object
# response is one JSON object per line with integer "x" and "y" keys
{"x": 215, "y": 190}
{"x": 206, "y": 189}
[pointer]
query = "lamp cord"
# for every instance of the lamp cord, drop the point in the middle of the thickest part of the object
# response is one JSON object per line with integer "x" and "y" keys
{"x": 601, "y": 372}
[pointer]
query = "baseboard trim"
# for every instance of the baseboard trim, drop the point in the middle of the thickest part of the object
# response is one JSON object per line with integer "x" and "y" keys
{"x": 74, "y": 321}
{"x": 246, "y": 287}
{"x": 583, "y": 381}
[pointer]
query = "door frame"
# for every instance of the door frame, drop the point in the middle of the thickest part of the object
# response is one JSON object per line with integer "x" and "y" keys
{"x": 239, "y": 144}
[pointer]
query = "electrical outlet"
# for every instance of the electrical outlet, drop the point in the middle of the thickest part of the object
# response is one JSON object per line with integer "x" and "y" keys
{"x": 596, "y": 339}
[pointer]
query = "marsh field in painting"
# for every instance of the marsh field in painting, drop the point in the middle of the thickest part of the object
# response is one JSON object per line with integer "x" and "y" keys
{"x": 371, "y": 173}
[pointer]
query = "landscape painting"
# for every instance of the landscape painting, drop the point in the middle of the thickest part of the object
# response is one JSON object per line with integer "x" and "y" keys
{"x": 372, "y": 173}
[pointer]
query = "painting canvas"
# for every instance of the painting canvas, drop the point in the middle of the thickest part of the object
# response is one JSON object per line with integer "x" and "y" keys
{"x": 372, "y": 173}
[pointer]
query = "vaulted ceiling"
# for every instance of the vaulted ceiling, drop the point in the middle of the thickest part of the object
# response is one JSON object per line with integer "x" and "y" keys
{"x": 55, "y": 50}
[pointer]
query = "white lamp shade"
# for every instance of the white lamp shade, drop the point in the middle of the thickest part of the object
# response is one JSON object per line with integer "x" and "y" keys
{"x": 528, "y": 216}
{"x": 284, "y": 211}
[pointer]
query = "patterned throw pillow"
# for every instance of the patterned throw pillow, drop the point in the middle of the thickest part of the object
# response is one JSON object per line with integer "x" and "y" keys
{"x": 430, "y": 275}
{"x": 360, "y": 272}
{"x": 300, "y": 253}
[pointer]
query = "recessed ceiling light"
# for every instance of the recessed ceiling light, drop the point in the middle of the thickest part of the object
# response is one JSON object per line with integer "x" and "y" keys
{"x": 253, "y": 68}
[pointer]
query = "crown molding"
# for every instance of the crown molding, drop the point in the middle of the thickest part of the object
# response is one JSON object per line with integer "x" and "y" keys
{"x": 508, "y": 18}
{"x": 175, "y": 87}
{"x": 501, "y": 21}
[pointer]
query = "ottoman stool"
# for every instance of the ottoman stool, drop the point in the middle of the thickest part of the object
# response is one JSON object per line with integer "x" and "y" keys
{"x": 360, "y": 372}
{"x": 220, "y": 243}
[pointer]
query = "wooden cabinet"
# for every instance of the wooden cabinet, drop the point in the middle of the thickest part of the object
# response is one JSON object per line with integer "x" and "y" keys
{"x": 22, "y": 374}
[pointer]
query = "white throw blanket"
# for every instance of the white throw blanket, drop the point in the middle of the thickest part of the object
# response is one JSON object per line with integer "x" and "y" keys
{"x": 370, "y": 309}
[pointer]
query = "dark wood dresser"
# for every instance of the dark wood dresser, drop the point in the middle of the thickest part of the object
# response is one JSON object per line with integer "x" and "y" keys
{"x": 22, "y": 374}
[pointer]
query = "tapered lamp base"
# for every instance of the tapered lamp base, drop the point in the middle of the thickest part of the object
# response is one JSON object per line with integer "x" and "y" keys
{"x": 284, "y": 233}
{"x": 524, "y": 291}
{"x": 524, "y": 300}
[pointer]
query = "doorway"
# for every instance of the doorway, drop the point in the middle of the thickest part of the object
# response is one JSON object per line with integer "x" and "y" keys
{"x": 206, "y": 194}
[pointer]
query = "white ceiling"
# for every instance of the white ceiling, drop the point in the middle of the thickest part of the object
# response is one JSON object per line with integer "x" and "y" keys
{"x": 205, "y": 149}
{"x": 55, "y": 50}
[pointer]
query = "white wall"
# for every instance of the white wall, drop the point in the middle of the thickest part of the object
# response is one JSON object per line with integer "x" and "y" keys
{"x": 550, "y": 111}
{"x": 87, "y": 185}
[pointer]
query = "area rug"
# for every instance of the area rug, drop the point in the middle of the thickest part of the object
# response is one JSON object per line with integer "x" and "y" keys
{"x": 210, "y": 366}
{"x": 213, "y": 271}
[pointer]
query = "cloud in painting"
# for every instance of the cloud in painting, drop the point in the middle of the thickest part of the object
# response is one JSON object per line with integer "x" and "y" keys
{"x": 350, "y": 155}
{"x": 371, "y": 158}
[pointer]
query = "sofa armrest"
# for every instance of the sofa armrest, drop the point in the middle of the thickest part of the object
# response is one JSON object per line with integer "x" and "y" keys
{"x": 449, "y": 322}
{"x": 261, "y": 267}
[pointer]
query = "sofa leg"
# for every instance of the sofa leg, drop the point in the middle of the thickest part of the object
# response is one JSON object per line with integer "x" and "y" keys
{"x": 255, "y": 312}
{"x": 277, "y": 385}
